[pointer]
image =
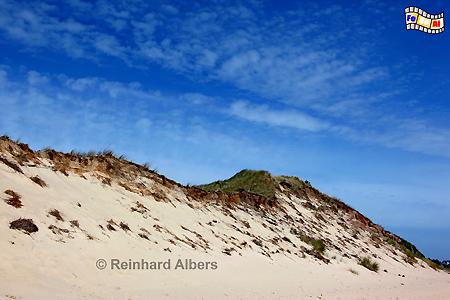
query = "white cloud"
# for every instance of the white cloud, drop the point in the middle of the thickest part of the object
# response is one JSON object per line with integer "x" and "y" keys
{"x": 3, "y": 76}
{"x": 80, "y": 84}
{"x": 34, "y": 78}
{"x": 196, "y": 98}
{"x": 284, "y": 118}
{"x": 144, "y": 124}
{"x": 113, "y": 89}
{"x": 417, "y": 137}
{"x": 109, "y": 45}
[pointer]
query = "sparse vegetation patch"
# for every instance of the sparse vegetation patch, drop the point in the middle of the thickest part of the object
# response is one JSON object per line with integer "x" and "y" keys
{"x": 38, "y": 181}
{"x": 111, "y": 225}
{"x": 369, "y": 264}
{"x": 14, "y": 199}
{"x": 411, "y": 252}
{"x": 75, "y": 223}
{"x": 124, "y": 227}
{"x": 25, "y": 225}
{"x": 432, "y": 263}
{"x": 317, "y": 244}
{"x": 12, "y": 165}
{"x": 55, "y": 213}
{"x": 143, "y": 235}
{"x": 354, "y": 272}
{"x": 57, "y": 230}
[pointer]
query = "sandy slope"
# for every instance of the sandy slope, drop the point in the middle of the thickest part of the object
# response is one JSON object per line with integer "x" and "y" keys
{"x": 60, "y": 262}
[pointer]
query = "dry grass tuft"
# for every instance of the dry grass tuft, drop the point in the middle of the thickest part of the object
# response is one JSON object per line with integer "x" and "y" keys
{"x": 55, "y": 213}
{"x": 75, "y": 223}
{"x": 38, "y": 181}
{"x": 143, "y": 235}
{"x": 111, "y": 225}
{"x": 124, "y": 227}
{"x": 11, "y": 165}
{"x": 354, "y": 271}
{"x": 14, "y": 199}
{"x": 369, "y": 264}
{"x": 25, "y": 225}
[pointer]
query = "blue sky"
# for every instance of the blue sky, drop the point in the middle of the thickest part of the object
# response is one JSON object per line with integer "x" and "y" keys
{"x": 335, "y": 92}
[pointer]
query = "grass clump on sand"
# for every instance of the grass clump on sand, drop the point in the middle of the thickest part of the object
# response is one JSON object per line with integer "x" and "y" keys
{"x": 354, "y": 271}
{"x": 369, "y": 264}
{"x": 25, "y": 225}
{"x": 14, "y": 199}
{"x": 57, "y": 214}
{"x": 317, "y": 244}
{"x": 38, "y": 181}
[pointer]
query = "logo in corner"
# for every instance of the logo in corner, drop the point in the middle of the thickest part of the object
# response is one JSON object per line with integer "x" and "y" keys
{"x": 418, "y": 19}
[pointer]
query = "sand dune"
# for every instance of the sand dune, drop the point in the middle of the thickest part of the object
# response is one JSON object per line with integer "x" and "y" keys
{"x": 298, "y": 245}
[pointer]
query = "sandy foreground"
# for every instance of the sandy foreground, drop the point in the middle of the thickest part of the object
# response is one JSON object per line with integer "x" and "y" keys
{"x": 69, "y": 272}
{"x": 60, "y": 260}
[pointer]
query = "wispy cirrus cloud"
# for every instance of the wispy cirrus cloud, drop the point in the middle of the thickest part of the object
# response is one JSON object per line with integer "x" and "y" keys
{"x": 410, "y": 134}
{"x": 283, "y": 118}
{"x": 274, "y": 56}
{"x": 310, "y": 68}
{"x": 400, "y": 133}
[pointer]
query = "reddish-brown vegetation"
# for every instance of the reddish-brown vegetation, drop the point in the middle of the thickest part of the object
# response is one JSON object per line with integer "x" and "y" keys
{"x": 14, "y": 199}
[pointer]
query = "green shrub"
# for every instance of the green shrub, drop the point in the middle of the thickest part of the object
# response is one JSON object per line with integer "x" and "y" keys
{"x": 317, "y": 244}
{"x": 369, "y": 264}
